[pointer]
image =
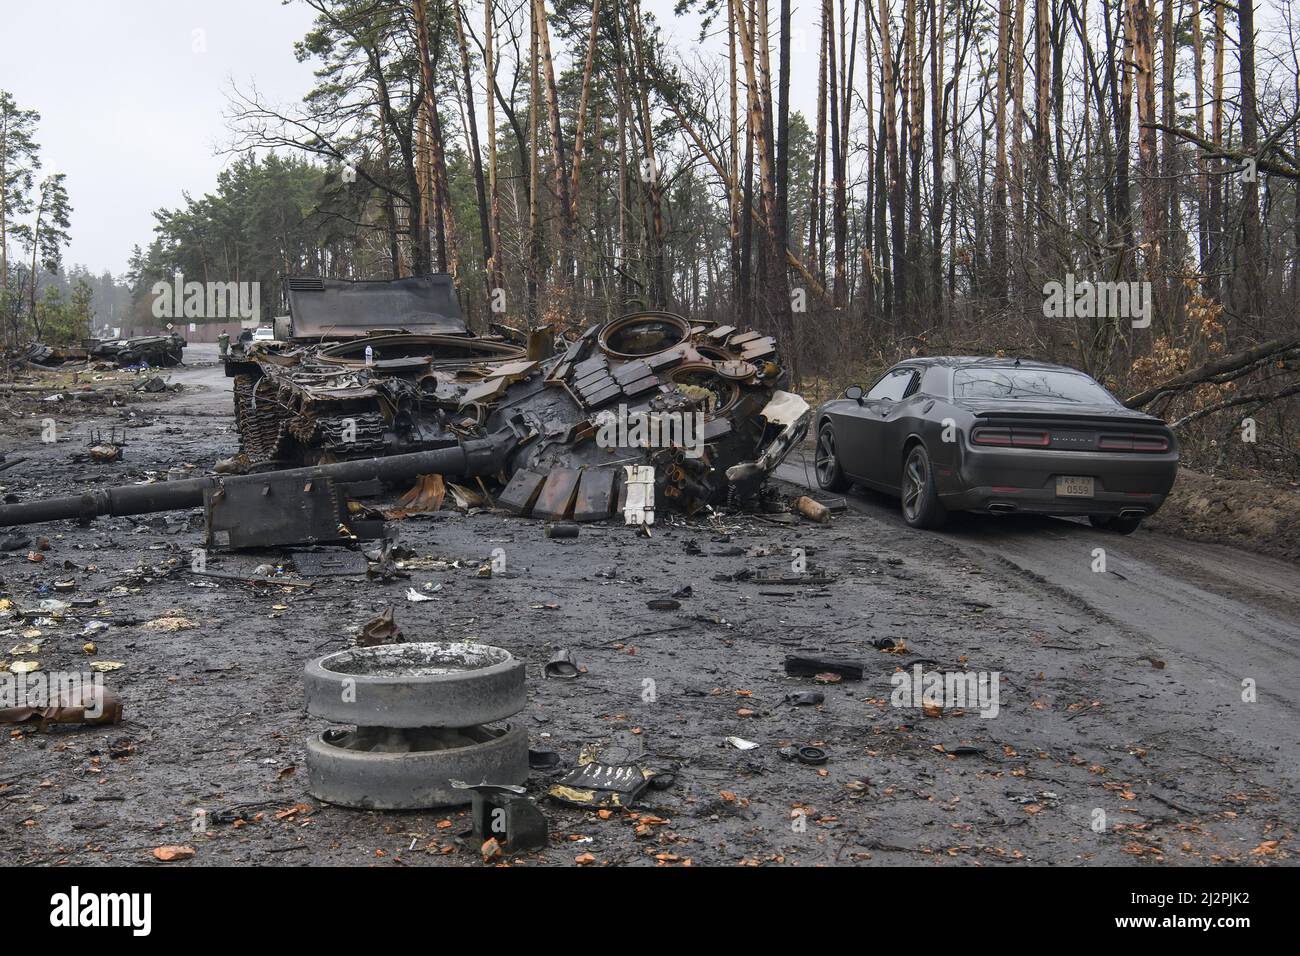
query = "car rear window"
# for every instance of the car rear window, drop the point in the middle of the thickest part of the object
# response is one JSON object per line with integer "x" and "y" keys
{"x": 1030, "y": 385}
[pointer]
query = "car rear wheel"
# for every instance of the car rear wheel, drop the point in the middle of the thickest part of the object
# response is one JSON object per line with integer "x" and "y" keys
{"x": 1114, "y": 523}
{"x": 921, "y": 505}
{"x": 830, "y": 476}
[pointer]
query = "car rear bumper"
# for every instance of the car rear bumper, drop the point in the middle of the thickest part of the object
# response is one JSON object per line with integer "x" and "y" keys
{"x": 1024, "y": 480}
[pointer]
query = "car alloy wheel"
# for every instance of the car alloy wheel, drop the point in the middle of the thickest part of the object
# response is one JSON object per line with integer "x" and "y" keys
{"x": 921, "y": 507}
{"x": 829, "y": 475}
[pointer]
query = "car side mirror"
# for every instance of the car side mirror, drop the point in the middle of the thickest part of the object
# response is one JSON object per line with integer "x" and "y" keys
{"x": 854, "y": 392}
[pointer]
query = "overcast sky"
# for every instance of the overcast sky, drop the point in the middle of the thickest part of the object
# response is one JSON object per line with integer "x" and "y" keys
{"x": 132, "y": 96}
{"x": 131, "y": 110}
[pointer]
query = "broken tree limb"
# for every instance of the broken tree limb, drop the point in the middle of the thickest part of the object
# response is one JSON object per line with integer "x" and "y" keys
{"x": 1218, "y": 366}
{"x": 1258, "y": 398}
{"x": 1218, "y": 150}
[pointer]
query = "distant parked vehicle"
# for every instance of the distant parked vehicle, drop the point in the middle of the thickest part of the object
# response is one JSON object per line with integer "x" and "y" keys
{"x": 1000, "y": 436}
{"x": 263, "y": 334}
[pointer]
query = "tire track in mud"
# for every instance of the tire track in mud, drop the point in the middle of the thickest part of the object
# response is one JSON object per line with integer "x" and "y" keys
{"x": 1210, "y": 625}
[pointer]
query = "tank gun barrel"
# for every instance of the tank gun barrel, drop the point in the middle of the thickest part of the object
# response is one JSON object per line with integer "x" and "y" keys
{"x": 482, "y": 456}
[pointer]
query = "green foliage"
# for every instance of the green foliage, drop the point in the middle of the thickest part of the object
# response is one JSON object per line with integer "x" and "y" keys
{"x": 49, "y": 233}
{"x": 266, "y": 219}
{"x": 19, "y": 159}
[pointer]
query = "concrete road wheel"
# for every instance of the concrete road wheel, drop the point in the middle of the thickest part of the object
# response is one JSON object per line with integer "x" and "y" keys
{"x": 416, "y": 685}
{"x": 374, "y": 768}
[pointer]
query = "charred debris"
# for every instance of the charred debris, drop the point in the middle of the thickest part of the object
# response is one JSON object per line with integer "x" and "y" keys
{"x": 155, "y": 351}
{"x": 382, "y": 380}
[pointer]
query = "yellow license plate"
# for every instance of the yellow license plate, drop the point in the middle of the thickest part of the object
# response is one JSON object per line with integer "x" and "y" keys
{"x": 1069, "y": 486}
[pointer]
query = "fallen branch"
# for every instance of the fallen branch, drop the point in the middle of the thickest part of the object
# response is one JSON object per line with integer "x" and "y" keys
{"x": 1216, "y": 367}
{"x": 1219, "y": 151}
{"x": 1259, "y": 398}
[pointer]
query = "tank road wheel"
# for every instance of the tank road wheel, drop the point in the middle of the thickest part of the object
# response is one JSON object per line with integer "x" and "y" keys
{"x": 371, "y": 769}
{"x": 921, "y": 505}
{"x": 424, "y": 716}
{"x": 416, "y": 685}
{"x": 830, "y": 476}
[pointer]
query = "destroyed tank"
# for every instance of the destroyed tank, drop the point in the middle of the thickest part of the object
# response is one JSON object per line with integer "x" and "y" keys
{"x": 388, "y": 367}
{"x": 383, "y": 381}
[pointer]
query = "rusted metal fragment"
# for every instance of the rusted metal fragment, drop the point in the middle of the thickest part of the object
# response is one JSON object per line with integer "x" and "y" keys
{"x": 421, "y": 498}
{"x": 381, "y": 630}
{"x": 513, "y": 370}
{"x": 75, "y": 704}
{"x": 521, "y": 493}
{"x": 555, "y": 502}
{"x": 485, "y": 391}
{"x": 595, "y": 494}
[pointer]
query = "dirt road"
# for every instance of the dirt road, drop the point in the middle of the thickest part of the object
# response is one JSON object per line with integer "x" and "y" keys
{"x": 1120, "y": 733}
{"x": 1216, "y": 615}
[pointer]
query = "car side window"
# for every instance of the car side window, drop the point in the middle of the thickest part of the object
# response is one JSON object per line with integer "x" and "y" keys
{"x": 893, "y": 387}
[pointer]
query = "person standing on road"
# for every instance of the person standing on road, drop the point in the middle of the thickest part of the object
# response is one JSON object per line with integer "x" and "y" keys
{"x": 223, "y": 343}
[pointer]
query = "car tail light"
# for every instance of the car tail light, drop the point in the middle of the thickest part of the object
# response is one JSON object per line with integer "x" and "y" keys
{"x": 1140, "y": 443}
{"x": 1012, "y": 437}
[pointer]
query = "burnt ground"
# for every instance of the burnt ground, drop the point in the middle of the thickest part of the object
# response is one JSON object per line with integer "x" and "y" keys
{"x": 1121, "y": 691}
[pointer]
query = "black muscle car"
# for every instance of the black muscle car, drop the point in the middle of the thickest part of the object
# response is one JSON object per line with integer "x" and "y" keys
{"x": 996, "y": 435}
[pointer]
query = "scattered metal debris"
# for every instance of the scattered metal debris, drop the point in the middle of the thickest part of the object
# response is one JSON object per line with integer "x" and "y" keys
{"x": 598, "y": 786}
{"x": 796, "y": 666}
{"x": 88, "y": 704}
{"x": 563, "y": 665}
{"x": 506, "y": 814}
{"x": 157, "y": 351}
{"x": 380, "y": 630}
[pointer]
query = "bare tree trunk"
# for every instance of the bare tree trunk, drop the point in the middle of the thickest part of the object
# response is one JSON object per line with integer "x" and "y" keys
{"x": 495, "y": 278}
{"x": 1019, "y": 242}
{"x": 534, "y": 178}
{"x": 733, "y": 190}
{"x": 998, "y": 239}
{"x": 1202, "y": 180}
{"x": 1148, "y": 167}
{"x": 653, "y": 192}
{"x": 1216, "y": 181}
{"x": 1042, "y": 113}
{"x": 442, "y": 192}
{"x": 914, "y": 101}
{"x": 579, "y": 139}
{"x": 1252, "y": 303}
{"x": 1168, "y": 150}
{"x": 937, "y": 13}
{"x": 838, "y": 173}
{"x": 476, "y": 158}
{"x": 568, "y": 224}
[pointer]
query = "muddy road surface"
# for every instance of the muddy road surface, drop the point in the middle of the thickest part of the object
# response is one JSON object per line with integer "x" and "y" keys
{"x": 1121, "y": 732}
